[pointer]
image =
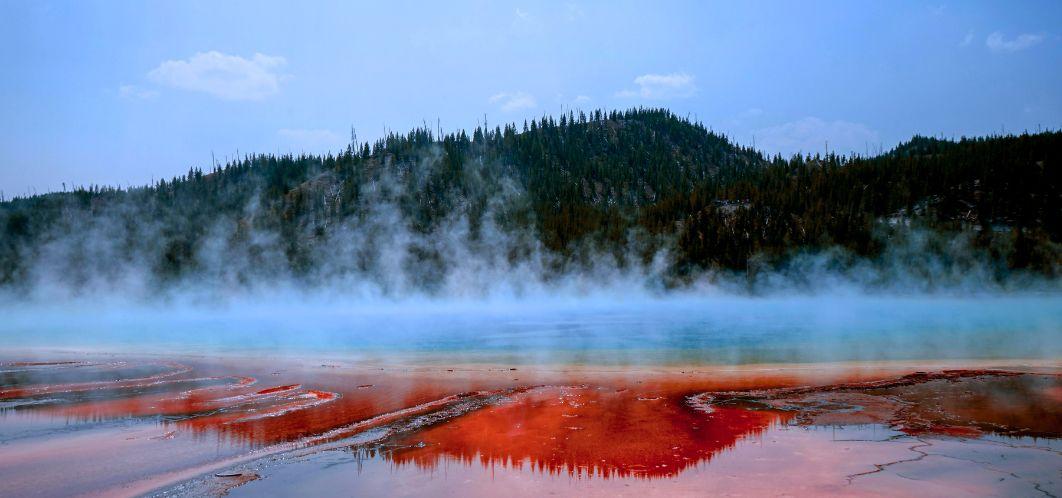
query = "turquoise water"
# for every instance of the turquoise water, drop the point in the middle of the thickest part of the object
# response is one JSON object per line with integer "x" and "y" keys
{"x": 722, "y": 330}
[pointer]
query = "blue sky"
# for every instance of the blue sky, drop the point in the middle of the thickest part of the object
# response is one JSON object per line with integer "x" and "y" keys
{"x": 119, "y": 93}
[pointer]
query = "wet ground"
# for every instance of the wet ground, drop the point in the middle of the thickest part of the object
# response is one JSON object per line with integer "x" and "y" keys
{"x": 194, "y": 425}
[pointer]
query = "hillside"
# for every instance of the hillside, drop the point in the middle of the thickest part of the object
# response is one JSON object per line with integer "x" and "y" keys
{"x": 637, "y": 190}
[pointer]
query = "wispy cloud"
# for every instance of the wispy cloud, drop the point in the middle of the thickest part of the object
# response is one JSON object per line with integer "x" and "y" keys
{"x": 581, "y": 99}
{"x": 811, "y": 134}
{"x": 135, "y": 92}
{"x": 998, "y": 43}
{"x": 224, "y": 76}
{"x": 968, "y": 39}
{"x": 661, "y": 87}
{"x": 525, "y": 22}
{"x": 752, "y": 112}
{"x": 573, "y": 12}
{"x": 311, "y": 140}
{"x": 513, "y": 101}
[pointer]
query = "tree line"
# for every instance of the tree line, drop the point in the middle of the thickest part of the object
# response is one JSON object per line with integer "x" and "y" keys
{"x": 622, "y": 186}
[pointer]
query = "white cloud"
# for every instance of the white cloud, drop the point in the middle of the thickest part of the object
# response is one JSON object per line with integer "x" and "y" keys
{"x": 135, "y": 92}
{"x": 514, "y": 101}
{"x": 811, "y": 134}
{"x": 661, "y": 86}
{"x": 745, "y": 118}
{"x": 312, "y": 140}
{"x": 752, "y": 112}
{"x": 573, "y": 12}
{"x": 968, "y": 39}
{"x": 224, "y": 76}
{"x": 996, "y": 42}
{"x": 526, "y": 22}
{"x": 581, "y": 99}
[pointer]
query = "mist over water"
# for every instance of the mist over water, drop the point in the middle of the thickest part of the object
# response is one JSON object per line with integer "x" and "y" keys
{"x": 426, "y": 257}
{"x": 912, "y": 303}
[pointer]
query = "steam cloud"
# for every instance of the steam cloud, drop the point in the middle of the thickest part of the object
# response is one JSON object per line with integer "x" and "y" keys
{"x": 111, "y": 252}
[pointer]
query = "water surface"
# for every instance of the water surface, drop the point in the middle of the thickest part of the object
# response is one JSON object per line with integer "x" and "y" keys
{"x": 723, "y": 330}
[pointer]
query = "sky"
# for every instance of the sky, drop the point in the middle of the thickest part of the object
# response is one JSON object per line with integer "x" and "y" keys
{"x": 124, "y": 93}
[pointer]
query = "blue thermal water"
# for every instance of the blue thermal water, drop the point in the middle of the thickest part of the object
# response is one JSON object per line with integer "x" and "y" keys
{"x": 722, "y": 330}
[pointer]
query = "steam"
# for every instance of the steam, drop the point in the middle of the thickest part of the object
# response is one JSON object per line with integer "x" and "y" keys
{"x": 474, "y": 288}
{"x": 482, "y": 249}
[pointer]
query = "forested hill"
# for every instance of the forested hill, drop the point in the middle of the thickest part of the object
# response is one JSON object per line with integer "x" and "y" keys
{"x": 641, "y": 189}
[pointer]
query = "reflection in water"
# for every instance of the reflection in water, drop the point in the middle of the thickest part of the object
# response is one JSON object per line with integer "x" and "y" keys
{"x": 109, "y": 424}
{"x": 251, "y": 406}
{"x": 587, "y": 432}
{"x": 784, "y": 460}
